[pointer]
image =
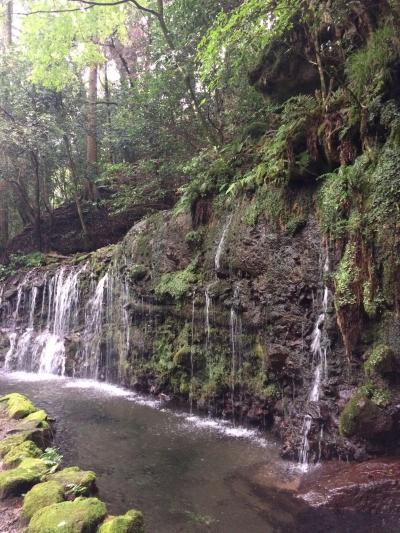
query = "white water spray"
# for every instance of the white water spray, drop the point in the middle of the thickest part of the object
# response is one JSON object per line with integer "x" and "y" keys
{"x": 319, "y": 349}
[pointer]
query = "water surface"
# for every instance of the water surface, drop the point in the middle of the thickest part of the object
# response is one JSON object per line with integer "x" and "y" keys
{"x": 185, "y": 473}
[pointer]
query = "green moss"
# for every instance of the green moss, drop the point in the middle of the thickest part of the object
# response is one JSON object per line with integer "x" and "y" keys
{"x": 137, "y": 272}
{"x": 40, "y": 496}
{"x": 177, "y": 284}
{"x": 346, "y": 276}
{"x": 131, "y": 522}
{"x": 18, "y": 405}
{"x": 194, "y": 238}
{"x": 82, "y": 515}
{"x": 349, "y": 417}
{"x": 37, "y": 419}
{"x": 362, "y": 406}
{"x": 16, "y": 481}
{"x": 7, "y": 444}
{"x": 380, "y": 361}
{"x": 19, "y": 453}
{"x": 75, "y": 477}
{"x": 369, "y": 303}
{"x": 295, "y": 224}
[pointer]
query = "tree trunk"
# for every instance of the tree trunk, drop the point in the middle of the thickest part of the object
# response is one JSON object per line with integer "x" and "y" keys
{"x": 8, "y": 20}
{"x": 37, "y": 223}
{"x": 108, "y": 109}
{"x": 91, "y": 135}
{"x": 76, "y": 185}
{"x": 4, "y": 235}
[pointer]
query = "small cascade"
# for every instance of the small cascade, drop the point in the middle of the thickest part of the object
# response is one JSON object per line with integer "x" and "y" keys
{"x": 92, "y": 335}
{"x": 236, "y": 335}
{"x": 221, "y": 244}
{"x": 192, "y": 354}
{"x": 68, "y": 307}
{"x": 319, "y": 350}
{"x": 207, "y": 327}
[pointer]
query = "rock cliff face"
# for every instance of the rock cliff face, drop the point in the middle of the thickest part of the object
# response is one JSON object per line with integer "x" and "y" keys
{"x": 224, "y": 315}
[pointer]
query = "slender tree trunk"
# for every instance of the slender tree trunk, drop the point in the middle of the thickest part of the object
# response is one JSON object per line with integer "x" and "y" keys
{"x": 108, "y": 110}
{"x": 4, "y": 227}
{"x": 38, "y": 225}
{"x": 76, "y": 188}
{"x": 8, "y": 21}
{"x": 4, "y": 233}
{"x": 91, "y": 135}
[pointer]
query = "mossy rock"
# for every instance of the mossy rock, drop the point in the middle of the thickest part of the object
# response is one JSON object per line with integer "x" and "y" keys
{"x": 131, "y": 522}
{"x": 363, "y": 418}
{"x": 82, "y": 515}
{"x": 42, "y": 495}
{"x": 18, "y": 406}
{"x": 380, "y": 361}
{"x": 138, "y": 272}
{"x": 23, "y": 451}
{"x": 18, "y": 480}
{"x": 9, "y": 443}
{"x": 38, "y": 419}
{"x": 75, "y": 477}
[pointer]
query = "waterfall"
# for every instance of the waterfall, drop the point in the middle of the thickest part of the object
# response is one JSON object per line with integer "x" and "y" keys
{"x": 207, "y": 327}
{"x": 44, "y": 318}
{"x": 42, "y": 350}
{"x": 319, "y": 349}
{"x": 191, "y": 354}
{"x": 235, "y": 334}
{"x": 221, "y": 244}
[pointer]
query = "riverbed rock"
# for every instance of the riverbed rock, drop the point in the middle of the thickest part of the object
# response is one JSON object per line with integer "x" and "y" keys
{"x": 25, "y": 450}
{"x": 131, "y": 522}
{"x": 18, "y": 480}
{"x": 42, "y": 495}
{"x": 370, "y": 487}
{"x": 18, "y": 405}
{"x": 73, "y": 476}
{"x": 82, "y": 515}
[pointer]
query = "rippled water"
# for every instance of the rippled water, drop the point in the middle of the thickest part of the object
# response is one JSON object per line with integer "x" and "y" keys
{"x": 186, "y": 473}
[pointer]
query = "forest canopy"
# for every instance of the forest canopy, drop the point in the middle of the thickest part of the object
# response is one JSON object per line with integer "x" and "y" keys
{"x": 175, "y": 101}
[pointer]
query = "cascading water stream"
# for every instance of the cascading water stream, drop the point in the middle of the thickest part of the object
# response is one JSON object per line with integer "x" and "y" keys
{"x": 235, "y": 334}
{"x": 221, "y": 244}
{"x": 319, "y": 349}
{"x": 207, "y": 327}
{"x": 46, "y": 316}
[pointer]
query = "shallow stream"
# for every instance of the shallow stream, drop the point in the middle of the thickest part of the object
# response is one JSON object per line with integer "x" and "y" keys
{"x": 186, "y": 473}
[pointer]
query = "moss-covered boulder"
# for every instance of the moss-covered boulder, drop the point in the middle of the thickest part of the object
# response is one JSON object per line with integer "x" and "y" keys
{"x": 38, "y": 419}
{"x": 18, "y": 480}
{"x": 9, "y": 443}
{"x": 18, "y": 405}
{"x": 41, "y": 495}
{"x": 131, "y": 522}
{"x": 82, "y": 515}
{"x": 23, "y": 451}
{"x": 379, "y": 361}
{"x": 75, "y": 477}
{"x": 362, "y": 417}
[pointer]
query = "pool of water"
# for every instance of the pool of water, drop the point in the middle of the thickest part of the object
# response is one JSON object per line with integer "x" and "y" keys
{"x": 186, "y": 473}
